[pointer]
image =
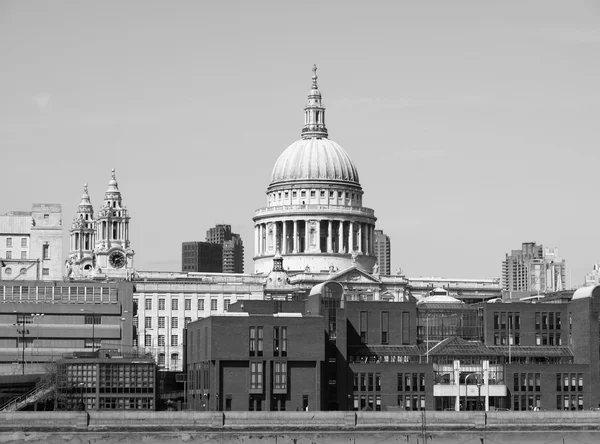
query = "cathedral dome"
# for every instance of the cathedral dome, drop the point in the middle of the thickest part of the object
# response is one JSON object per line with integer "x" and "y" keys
{"x": 314, "y": 159}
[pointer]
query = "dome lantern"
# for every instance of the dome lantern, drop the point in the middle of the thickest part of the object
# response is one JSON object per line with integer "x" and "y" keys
{"x": 314, "y": 113}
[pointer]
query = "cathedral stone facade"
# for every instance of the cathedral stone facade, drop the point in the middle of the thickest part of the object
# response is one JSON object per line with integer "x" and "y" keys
{"x": 99, "y": 246}
{"x": 314, "y": 215}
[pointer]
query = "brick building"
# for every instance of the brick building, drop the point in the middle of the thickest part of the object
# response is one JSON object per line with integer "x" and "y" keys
{"x": 256, "y": 357}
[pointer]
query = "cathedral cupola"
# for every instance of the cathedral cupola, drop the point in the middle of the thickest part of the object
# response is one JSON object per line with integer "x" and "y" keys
{"x": 82, "y": 237}
{"x": 314, "y": 112}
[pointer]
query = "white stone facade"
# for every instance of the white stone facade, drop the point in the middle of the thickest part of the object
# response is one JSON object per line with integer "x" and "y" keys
{"x": 31, "y": 243}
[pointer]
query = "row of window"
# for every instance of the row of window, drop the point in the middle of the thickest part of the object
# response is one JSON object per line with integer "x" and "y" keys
{"x": 364, "y": 402}
{"x": 187, "y": 304}
{"x": 9, "y": 242}
{"x": 566, "y": 382}
{"x": 547, "y": 321}
{"x": 504, "y": 321}
{"x": 161, "y": 341}
{"x": 526, "y": 382}
{"x": 9, "y": 254}
{"x": 256, "y": 341}
{"x": 384, "y": 319}
{"x": 162, "y": 323}
{"x": 313, "y": 193}
{"x": 367, "y": 382}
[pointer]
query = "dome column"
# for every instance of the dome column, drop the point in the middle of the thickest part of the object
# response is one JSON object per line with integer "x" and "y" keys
{"x": 256, "y": 252}
{"x": 295, "y": 240}
{"x": 283, "y": 247}
{"x": 367, "y": 244}
{"x": 351, "y": 237}
{"x": 359, "y": 237}
{"x": 329, "y": 236}
{"x": 318, "y": 234}
{"x": 274, "y": 243}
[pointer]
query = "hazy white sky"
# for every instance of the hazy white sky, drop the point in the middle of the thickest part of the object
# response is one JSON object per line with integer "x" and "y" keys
{"x": 473, "y": 124}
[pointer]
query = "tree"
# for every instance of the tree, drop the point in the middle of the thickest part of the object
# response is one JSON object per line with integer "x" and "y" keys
{"x": 56, "y": 386}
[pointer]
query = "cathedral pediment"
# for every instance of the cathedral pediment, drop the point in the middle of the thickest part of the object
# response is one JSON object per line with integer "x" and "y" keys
{"x": 355, "y": 275}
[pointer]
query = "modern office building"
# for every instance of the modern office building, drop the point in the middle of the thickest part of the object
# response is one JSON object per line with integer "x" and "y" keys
{"x": 31, "y": 243}
{"x": 42, "y": 321}
{"x": 223, "y": 252}
{"x": 533, "y": 268}
{"x": 383, "y": 251}
{"x": 201, "y": 257}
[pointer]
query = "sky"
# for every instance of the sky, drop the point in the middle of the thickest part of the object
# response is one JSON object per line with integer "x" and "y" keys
{"x": 473, "y": 124}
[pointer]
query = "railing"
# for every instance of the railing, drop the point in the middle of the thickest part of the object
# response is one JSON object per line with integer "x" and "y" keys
{"x": 19, "y": 402}
{"x": 313, "y": 207}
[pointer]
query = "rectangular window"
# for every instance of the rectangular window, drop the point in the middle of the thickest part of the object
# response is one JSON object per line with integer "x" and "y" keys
{"x": 148, "y": 341}
{"x": 23, "y": 242}
{"x": 502, "y": 321}
{"x": 260, "y": 339}
{"x": 187, "y": 321}
{"x": 9, "y": 242}
{"x": 538, "y": 321}
{"x": 377, "y": 382}
{"x": 148, "y": 304}
{"x": 252, "y": 341}
{"x": 161, "y": 340}
{"x": 174, "y": 322}
{"x": 24, "y": 319}
{"x": 93, "y": 319}
{"x": 23, "y": 255}
{"x": 187, "y": 304}
{"x": 148, "y": 322}
{"x": 363, "y": 327}
{"x": 558, "y": 382}
{"x": 256, "y": 376}
{"x": 496, "y": 321}
{"x": 313, "y": 193}
{"x": 284, "y": 342}
{"x": 280, "y": 384}
{"x": 544, "y": 321}
{"x": 580, "y": 379}
{"x": 200, "y": 304}
{"x": 9, "y": 255}
{"x": 46, "y": 252}
{"x": 174, "y": 340}
{"x": 558, "y": 324}
{"x": 161, "y": 304}
{"x": 161, "y": 322}
{"x": 174, "y": 304}
{"x": 213, "y": 305}
{"x": 45, "y": 272}
{"x": 405, "y": 327}
{"x": 550, "y": 321}
{"x": 384, "y": 327}
{"x": 226, "y": 303}
{"x": 517, "y": 321}
{"x": 276, "y": 341}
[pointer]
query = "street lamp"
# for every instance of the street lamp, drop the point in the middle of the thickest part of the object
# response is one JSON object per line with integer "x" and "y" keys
{"x": 22, "y": 333}
{"x": 479, "y": 394}
{"x": 81, "y": 403}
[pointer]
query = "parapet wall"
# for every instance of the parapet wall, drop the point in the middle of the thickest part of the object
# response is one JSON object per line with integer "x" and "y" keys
{"x": 290, "y": 421}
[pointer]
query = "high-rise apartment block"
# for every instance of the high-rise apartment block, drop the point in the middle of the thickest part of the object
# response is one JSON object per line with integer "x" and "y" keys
{"x": 383, "y": 250}
{"x": 31, "y": 243}
{"x": 223, "y": 252}
{"x": 533, "y": 268}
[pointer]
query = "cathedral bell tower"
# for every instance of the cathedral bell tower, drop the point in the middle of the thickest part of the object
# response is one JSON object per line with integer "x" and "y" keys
{"x": 112, "y": 253}
{"x": 82, "y": 239}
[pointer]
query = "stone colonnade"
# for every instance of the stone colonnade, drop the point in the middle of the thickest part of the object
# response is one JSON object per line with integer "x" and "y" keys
{"x": 306, "y": 235}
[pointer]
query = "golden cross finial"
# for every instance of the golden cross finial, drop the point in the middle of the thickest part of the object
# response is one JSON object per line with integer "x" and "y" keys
{"x": 113, "y": 174}
{"x": 314, "y": 77}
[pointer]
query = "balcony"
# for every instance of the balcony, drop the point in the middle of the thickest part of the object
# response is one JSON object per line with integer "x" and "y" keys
{"x": 321, "y": 208}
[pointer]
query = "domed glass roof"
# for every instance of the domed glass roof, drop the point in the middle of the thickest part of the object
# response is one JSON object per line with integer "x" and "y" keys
{"x": 314, "y": 159}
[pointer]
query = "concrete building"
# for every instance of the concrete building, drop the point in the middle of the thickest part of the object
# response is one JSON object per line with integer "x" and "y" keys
{"x": 31, "y": 243}
{"x": 233, "y": 255}
{"x": 100, "y": 247}
{"x": 42, "y": 321}
{"x": 534, "y": 269}
{"x": 383, "y": 251}
{"x": 314, "y": 214}
{"x": 592, "y": 278}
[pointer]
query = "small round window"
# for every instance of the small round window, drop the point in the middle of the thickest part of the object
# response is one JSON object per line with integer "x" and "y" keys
{"x": 23, "y": 270}
{"x": 8, "y": 271}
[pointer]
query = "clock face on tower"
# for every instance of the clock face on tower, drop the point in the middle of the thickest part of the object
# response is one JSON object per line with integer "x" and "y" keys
{"x": 116, "y": 259}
